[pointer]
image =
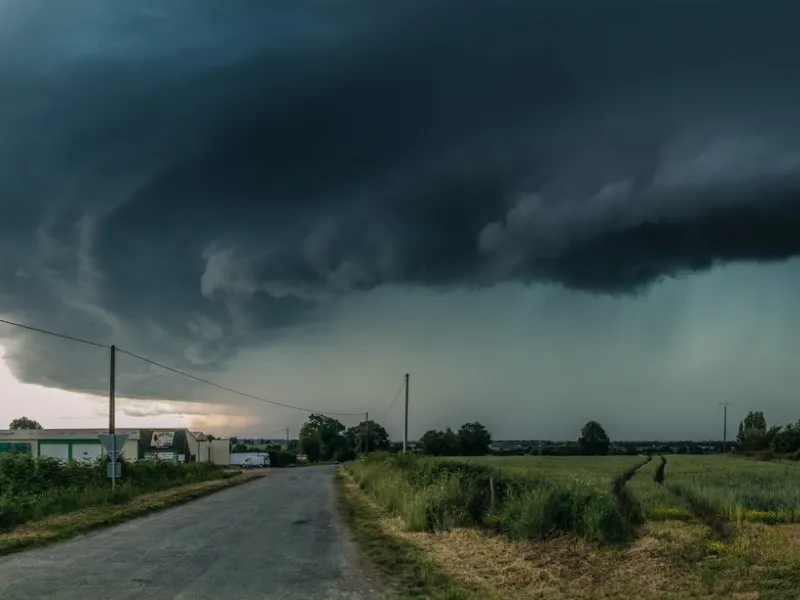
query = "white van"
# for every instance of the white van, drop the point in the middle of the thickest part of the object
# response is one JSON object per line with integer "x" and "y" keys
{"x": 261, "y": 460}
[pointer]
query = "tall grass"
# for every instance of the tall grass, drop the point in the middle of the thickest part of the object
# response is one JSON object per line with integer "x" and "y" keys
{"x": 34, "y": 488}
{"x": 544, "y": 509}
{"x": 435, "y": 495}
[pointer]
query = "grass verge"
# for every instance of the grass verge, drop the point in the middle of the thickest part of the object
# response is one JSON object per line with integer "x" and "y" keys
{"x": 59, "y": 527}
{"x": 411, "y": 574}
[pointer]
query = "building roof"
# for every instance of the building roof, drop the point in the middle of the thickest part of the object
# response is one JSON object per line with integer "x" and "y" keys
{"x": 27, "y": 434}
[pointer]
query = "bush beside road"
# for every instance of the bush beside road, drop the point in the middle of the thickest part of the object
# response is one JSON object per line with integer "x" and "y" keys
{"x": 32, "y": 489}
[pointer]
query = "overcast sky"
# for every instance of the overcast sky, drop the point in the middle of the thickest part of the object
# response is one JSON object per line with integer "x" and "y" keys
{"x": 545, "y": 211}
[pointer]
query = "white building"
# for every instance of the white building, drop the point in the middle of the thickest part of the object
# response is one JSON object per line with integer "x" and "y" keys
{"x": 180, "y": 445}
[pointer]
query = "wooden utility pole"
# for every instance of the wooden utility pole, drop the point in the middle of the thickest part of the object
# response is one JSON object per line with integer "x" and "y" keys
{"x": 112, "y": 409}
{"x": 366, "y": 433}
{"x": 405, "y": 427}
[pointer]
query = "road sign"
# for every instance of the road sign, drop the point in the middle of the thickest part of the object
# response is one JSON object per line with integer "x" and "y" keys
{"x": 114, "y": 470}
{"x": 114, "y": 444}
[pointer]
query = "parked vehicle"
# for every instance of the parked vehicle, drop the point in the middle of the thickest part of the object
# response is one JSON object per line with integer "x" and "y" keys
{"x": 254, "y": 462}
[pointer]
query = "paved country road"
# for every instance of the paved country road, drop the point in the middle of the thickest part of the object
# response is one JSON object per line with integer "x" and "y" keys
{"x": 278, "y": 537}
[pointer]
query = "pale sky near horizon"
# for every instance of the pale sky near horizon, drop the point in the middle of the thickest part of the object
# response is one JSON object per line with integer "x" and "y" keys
{"x": 60, "y": 409}
{"x": 597, "y": 219}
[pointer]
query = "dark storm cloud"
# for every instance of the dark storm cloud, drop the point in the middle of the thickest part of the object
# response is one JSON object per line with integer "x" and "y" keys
{"x": 194, "y": 176}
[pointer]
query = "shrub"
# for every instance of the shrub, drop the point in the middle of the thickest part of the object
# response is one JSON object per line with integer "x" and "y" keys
{"x": 33, "y": 488}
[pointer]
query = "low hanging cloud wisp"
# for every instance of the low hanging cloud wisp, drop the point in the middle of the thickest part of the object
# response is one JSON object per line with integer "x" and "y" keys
{"x": 195, "y": 177}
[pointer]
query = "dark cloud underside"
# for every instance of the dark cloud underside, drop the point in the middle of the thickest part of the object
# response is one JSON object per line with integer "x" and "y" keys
{"x": 200, "y": 175}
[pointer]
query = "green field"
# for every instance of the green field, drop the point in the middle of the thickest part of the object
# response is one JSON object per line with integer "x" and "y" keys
{"x": 588, "y": 469}
{"x": 706, "y": 487}
{"x": 717, "y": 485}
{"x": 562, "y": 527}
{"x": 722, "y": 486}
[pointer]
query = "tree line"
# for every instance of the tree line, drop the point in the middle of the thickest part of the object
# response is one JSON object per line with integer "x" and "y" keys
{"x": 755, "y": 436}
{"x": 323, "y": 438}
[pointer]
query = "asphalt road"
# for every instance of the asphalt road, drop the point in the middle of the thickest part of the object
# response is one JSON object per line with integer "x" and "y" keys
{"x": 278, "y": 537}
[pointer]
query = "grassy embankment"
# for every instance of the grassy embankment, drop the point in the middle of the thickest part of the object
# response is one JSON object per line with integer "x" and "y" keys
{"x": 553, "y": 527}
{"x": 43, "y": 500}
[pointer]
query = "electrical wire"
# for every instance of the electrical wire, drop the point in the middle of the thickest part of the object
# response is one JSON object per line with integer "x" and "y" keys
{"x": 178, "y": 371}
{"x": 234, "y": 391}
{"x": 396, "y": 396}
{"x": 54, "y": 334}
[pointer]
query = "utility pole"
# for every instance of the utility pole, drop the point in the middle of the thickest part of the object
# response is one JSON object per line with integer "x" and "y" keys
{"x": 112, "y": 410}
{"x": 724, "y": 406}
{"x": 111, "y": 391}
{"x": 287, "y": 439}
{"x": 366, "y": 433}
{"x": 405, "y": 428}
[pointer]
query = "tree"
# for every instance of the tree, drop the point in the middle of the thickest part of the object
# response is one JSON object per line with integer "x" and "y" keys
{"x": 594, "y": 439}
{"x": 440, "y": 443}
{"x": 431, "y": 442}
{"x": 754, "y": 420}
{"x": 24, "y": 423}
{"x": 449, "y": 443}
{"x": 367, "y": 435}
{"x": 753, "y": 434}
{"x": 473, "y": 439}
{"x": 321, "y": 438}
{"x": 787, "y": 440}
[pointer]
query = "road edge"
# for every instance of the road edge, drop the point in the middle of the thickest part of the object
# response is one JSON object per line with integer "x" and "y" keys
{"x": 61, "y": 527}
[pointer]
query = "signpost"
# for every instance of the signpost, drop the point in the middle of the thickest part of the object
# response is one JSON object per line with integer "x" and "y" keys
{"x": 114, "y": 445}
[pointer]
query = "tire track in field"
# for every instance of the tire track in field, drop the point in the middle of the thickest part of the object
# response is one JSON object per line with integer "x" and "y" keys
{"x": 627, "y": 501}
{"x": 659, "y": 476}
{"x": 621, "y": 480}
{"x": 722, "y": 527}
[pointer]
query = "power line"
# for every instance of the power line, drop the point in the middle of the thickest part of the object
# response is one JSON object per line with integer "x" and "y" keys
{"x": 233, "y": 391}
{"x": 396, "y": 396}
{"x": 179, "y": 372}
{"x": 55, "y": 334}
